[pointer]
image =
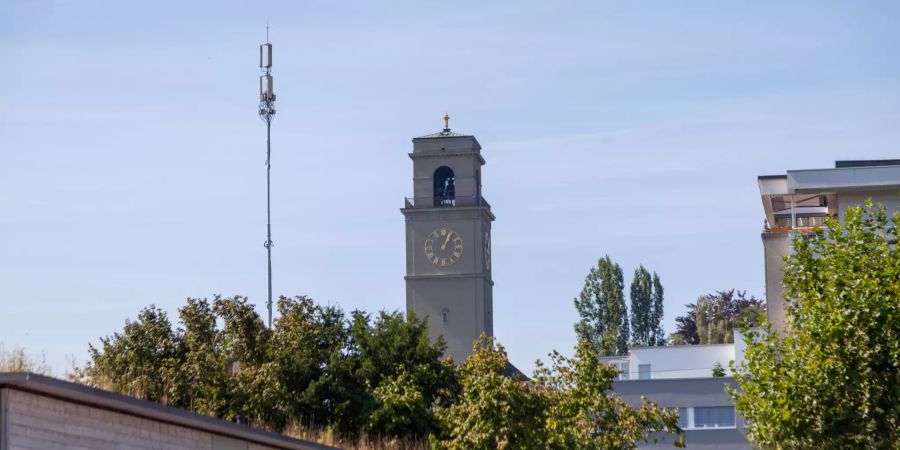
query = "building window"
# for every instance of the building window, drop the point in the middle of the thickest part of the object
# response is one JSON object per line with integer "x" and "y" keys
{"x": 714, "y": 417}
{"x": 643, "y": 371}
{"x": 683, "y": 417}
{"x": 445, "y": 316}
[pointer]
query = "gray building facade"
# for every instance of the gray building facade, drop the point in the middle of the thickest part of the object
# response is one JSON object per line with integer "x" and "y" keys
{"x": 708, "y": 417}
{"x": 448, "y": 241}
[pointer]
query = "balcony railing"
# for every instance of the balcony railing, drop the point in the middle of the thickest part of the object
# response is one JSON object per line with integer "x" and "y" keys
{"x": 804, "y": 224}
{"x": 446, "y": 202}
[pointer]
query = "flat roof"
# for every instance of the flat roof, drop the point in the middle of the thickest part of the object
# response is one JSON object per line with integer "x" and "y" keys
{"x": 98, "y": 398}
{"x": 874, "y": 177}
{"x": 866, "y": 163}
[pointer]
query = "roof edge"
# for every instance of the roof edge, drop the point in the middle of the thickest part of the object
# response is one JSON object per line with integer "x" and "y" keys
{"x": 445, "y": 134}
{"x": 111, "y": 401}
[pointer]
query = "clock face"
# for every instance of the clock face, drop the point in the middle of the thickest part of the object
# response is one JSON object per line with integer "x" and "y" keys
{"x": 443, "y": 247}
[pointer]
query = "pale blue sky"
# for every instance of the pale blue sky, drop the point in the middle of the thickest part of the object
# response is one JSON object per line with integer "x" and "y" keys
{"x": 131, "y": 156}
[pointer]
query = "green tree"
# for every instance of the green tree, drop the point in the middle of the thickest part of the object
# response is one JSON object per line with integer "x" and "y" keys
{"x": 832, "y": 380}
{"x": 245, "y": 345}
{"x": 601, "y": 306}
{"x": 642, "y": 308}
{"x": 395, "y": 344}
{"x": 401, "y": 409}
{"x": 202, "y": 372}
{"x": 582, "y": 413}
{"x": 493, "y": 411}
{"x": 142, "y": 361}
{"x": 657, "y": 332}
{"x": 305, "y": 336}
{"x": 713, "y": 317}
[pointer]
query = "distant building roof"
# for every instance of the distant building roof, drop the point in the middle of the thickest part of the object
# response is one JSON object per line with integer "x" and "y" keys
{"x": 97, "y": 398}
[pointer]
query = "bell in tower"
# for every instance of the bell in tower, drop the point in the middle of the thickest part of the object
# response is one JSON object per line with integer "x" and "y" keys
{"x": 444, "y": 188}
{"x": 448, "y": 232}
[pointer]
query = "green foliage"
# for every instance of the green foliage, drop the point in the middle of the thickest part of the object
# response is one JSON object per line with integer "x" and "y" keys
{"x": 581, "y": 413}
{"x": 402, "y": 410}
{"x": 202, "y": 372}
{"x": 250, "y": 391}
{"x": 714, "y": 316}
{"x": 641, "y": 308}
{"x": 832, "y": 380}
{"x": 657, "y": 332}
{"x": 568, "y": 406}
{"x": 718, "y": 370}
{"x": 493, "y": 411}
{"x": 378, "y": 378}
{"x": 141, "y": 361}
{"x": 646, "y": 309}
{"x": 314, "y": 369}
{"x": 389, "y": 355}
{"x": 601, "y": 306}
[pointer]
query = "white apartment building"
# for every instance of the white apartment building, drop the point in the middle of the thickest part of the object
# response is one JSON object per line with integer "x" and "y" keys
{"x": 680, "y": 361}
{"x": 682, "y": 377}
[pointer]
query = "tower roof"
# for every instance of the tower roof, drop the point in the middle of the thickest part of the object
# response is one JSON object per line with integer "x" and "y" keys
{"x": 446, "y": 133}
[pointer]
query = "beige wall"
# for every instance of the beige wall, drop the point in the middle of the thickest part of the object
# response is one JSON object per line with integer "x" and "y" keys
{"x": 775, "y": 247}
{"x": 890, "y": 199}
{"x": 36, "y": 421}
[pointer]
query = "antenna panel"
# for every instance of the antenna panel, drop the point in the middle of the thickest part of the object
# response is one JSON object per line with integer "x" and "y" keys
{"x": 266, "y": 90}
{"x": 265, "y": 56}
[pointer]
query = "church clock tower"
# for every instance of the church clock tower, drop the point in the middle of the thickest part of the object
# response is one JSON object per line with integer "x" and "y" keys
{"x": 448, "y": 241}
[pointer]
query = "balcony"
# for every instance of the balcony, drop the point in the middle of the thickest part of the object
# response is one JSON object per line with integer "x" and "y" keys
{"x": 804, "y": 224}
{"x": 446, "y": 202}
{"x": 788, "y": 213}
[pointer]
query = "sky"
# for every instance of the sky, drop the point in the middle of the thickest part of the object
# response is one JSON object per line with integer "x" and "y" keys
{"x": 132, "y": 157}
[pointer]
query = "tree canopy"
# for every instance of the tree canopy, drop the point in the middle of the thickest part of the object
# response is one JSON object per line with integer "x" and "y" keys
{"x": 713, "y": 317}
{"x": 833, "y": 379}
{"x": 646, "y": 309}
{"x": 601, "y": 306}
{"x": 641, "y": 308}
{"x": 568, "y": 406}
{"x": 362, "y": 376}
{"x": 315, "y": 368}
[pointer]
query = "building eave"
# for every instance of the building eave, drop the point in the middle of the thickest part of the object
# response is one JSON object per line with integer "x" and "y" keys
{"x": 97, "y": 398}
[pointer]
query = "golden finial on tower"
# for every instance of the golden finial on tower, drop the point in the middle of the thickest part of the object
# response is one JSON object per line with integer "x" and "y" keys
{"x": 446, "y": 122}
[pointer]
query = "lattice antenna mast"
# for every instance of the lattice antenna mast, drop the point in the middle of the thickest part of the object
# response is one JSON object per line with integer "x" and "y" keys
{"x": 266, "y": 112}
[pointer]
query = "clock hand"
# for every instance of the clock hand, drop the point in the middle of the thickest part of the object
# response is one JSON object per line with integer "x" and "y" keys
{"x": 444, "y": 246}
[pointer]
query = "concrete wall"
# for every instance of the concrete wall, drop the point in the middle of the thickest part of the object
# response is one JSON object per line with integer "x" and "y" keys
{"x": 680, "y": 361}
{"x": 465, "y": 300}
{"x": 685, "y": 393}
{"x": 34, "y": 421}
{"x": 890, "y": 199}
{"x": 775, "y": 247}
